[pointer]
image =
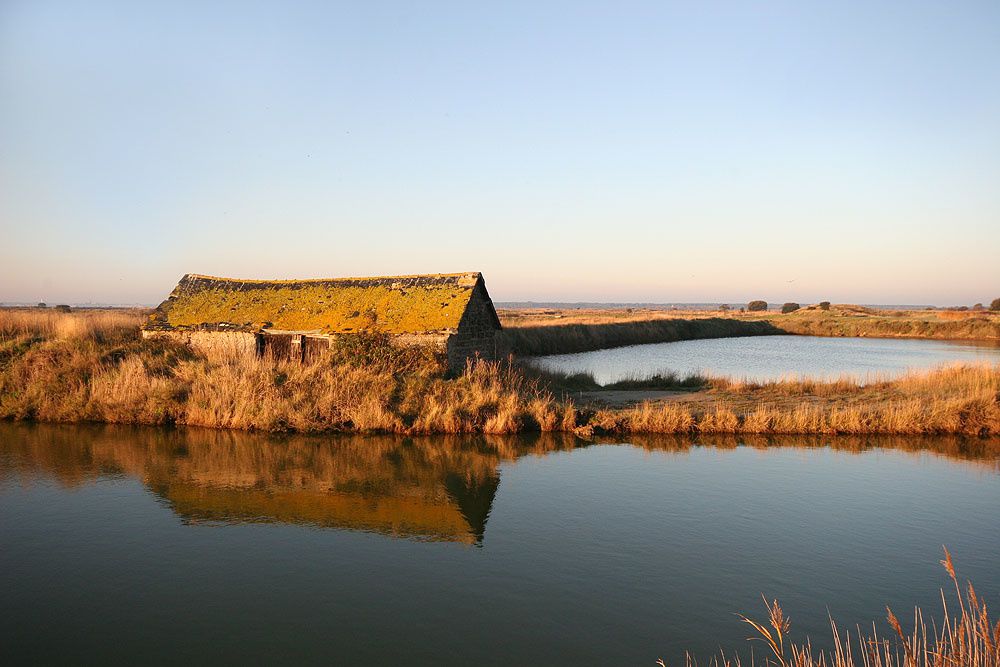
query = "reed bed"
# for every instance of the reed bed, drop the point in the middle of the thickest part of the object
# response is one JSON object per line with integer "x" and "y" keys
{"x": 95, "y": 367}
{"x": 965, "y": 636}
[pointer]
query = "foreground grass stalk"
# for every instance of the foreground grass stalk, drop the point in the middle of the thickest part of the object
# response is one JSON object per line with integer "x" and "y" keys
{"x": 970, "y": 639}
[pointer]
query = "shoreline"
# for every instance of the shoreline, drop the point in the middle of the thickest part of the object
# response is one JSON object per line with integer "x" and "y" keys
{"x": 504, "y": 447}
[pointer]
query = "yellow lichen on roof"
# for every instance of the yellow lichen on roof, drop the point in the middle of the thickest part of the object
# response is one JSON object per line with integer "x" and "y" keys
{"x": 397, "y": 305}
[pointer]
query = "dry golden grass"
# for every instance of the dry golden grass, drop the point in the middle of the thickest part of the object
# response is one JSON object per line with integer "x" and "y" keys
{"x": 964, "y": 637}
{"x": 81, "y": 324}
{"x": 951, "y": 315}
{"x": 95, "y": 367}
{"x": 53, "y": 368}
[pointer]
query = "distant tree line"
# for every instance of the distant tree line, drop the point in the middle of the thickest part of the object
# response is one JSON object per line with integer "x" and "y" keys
{"x": 994, "y": 306}
{"x": 791, "y": 306}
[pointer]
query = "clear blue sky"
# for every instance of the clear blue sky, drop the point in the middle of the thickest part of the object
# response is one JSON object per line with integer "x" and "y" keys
{"x": 688, "y": 151}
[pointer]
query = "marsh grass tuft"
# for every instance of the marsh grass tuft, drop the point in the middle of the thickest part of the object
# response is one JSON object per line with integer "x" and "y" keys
{"x": 583, "y": 381}
{"x": 663, "y": 380}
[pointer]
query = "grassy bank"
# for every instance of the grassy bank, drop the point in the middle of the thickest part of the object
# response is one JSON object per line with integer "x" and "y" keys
{"x": 581, "y": 337}
{"x": 964, "y": 636}
{"x": 95, "y": 367}
{"x": 960, "y": 399}
{"x": 538, "y": 332}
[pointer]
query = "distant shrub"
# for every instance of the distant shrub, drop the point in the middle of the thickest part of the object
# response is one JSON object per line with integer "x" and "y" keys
{"x": 790, "y": 307}
{"x": 724, "y": 307}
{"x": 757, "y": 305}
{"x": 824, "y": 305}
{"x": 978, "y": 307}
{"x": 63, "y": 308}
{"x": 42, "y": 304}
{"x": 995, "y": 304}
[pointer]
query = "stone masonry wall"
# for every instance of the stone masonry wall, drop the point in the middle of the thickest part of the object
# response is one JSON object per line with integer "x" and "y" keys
{"x": 477, "y": 333}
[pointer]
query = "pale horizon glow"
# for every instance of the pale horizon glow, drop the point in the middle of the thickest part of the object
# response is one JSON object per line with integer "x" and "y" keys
{"x": 628, "y": 152}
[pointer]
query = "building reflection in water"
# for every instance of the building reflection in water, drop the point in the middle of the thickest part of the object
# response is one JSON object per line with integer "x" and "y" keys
{"x": 439, "y": 488}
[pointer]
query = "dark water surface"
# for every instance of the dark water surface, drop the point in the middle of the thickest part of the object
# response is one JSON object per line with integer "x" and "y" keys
{"x": 147, "y": 546}
{"x": 773, "y": 357}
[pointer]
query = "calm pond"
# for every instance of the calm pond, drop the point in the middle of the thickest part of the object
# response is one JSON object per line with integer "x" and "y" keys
{"x": 772, "y": 357}
{"x": 146, "y": 546}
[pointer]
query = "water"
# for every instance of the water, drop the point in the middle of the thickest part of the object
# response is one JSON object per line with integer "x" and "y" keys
{"x": 772, "y": 357}
{"x": 160, "y": 547}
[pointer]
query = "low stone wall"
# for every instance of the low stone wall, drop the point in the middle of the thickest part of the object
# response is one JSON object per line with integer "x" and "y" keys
{"x": 474, "y": 342}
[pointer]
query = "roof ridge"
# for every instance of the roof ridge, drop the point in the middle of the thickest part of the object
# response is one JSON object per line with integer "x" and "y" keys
{"x": 463, "y": 274}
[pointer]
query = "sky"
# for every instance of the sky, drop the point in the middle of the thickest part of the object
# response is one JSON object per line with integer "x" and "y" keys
{"x": 571, "y": 151}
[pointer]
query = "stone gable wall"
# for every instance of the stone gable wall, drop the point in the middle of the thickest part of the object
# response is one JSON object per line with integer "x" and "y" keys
{"x": 477, "y": 332}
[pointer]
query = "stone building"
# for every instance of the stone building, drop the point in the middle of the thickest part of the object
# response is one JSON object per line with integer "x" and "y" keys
{"x": 294, "y": 318}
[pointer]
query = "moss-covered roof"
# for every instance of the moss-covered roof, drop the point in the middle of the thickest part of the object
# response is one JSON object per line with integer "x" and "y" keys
{"x": 392, "y": 304}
